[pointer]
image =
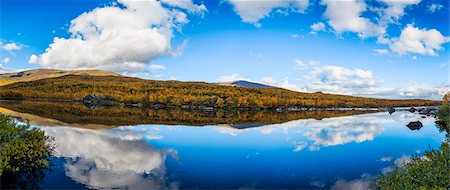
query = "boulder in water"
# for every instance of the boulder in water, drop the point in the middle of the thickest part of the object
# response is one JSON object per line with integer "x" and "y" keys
{"x": 391, "y": 110}
{"x": 415, "y": 125}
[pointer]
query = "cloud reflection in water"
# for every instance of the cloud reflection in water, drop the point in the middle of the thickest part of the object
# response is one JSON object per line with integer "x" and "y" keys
{"x": 109, "y": 158}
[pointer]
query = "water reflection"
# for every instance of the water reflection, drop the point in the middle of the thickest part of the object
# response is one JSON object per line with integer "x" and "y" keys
{"x": 344, "y": 152}
{"x": 77, "y": 115}
{"x": 109, "y": 159}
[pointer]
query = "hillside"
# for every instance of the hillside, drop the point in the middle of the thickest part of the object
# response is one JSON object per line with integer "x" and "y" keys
{"x": 32, "y": 75}
{"x": 186, "y": 94}
{"x": 245, "y": 84}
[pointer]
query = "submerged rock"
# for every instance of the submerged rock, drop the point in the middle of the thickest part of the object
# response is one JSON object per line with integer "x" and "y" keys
{"x": 415, "y": 125}
{"x": 412, "y": 109}
{"x": 391, "y": 110}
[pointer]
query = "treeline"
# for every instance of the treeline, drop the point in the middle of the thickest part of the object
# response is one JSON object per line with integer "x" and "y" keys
{"x": 149, "y": 92}
{"x": 78, "y": 115}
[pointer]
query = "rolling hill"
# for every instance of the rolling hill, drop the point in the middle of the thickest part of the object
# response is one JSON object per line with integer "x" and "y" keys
{"x": 130, "y": 90}
{"x": 32, "y": 75}
{"x": 245, "y": 84}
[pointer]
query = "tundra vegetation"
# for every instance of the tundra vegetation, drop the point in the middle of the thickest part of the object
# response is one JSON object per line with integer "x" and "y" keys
{"x": 193, "y": 94}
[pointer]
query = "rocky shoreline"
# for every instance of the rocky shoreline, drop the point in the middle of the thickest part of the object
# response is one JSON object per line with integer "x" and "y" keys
{"x": 93, "y": 101}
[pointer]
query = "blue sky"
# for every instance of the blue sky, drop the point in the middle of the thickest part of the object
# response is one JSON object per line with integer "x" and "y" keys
{"x": 390, "y": 49}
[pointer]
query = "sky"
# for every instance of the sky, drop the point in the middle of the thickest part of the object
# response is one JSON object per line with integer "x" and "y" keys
{"x": 376, "y": 48}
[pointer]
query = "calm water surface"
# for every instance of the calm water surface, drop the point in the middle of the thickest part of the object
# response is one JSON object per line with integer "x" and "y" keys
{"x": 339, "y": 153}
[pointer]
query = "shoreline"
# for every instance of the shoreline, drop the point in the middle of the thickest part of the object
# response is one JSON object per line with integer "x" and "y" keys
{"x": 95, "y": 105}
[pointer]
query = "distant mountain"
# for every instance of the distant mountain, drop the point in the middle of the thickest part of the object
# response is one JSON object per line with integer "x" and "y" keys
{"x": 37, "y": 74}
{"x": 245, "y": 84}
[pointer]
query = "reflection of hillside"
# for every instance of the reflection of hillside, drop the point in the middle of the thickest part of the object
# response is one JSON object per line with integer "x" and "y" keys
{"x": 73, "y": 114}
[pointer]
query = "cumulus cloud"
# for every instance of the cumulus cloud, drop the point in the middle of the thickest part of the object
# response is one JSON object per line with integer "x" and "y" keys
{"x": 351, "y": 20}
{"x": 231, "y": 78}
{"x": 434, "y": 7}
{"x": 420, "y": 41}
{"x": 337, "y": 79}
{"x": 396, "y": 9}
{"x": 316, "y": 27}
{"x": 10, "y": 46}
{"x": 121, "y": 38}
{"x": 33, "y": 59}
{"x": 252, "y": 11}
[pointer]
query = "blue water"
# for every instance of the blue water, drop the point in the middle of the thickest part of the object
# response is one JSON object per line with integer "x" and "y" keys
{"x": 338, "y": 153}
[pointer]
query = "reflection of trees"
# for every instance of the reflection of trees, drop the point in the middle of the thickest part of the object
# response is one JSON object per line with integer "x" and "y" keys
{"x": 74, "y": 113}
{"x": 109, "y": 159}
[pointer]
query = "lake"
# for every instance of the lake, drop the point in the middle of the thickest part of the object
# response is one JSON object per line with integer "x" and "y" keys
{"x": 175, "y": 149}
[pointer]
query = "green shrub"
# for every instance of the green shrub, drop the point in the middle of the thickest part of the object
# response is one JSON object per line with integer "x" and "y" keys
{"x": 24, "y": 154}
{"x": 429, "y": 172}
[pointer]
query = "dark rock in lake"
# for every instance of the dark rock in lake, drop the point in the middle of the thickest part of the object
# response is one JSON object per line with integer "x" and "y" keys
{"x": 424, "y": 116}
{"x": 412, "y": 109}
{"x": 97, "y": 101}
{"x": 415, "y": 125}
{"x": 391, "y": 110}
{"x": 159, "y": 106}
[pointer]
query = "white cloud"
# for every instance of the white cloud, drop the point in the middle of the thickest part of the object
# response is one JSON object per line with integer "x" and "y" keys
{"x": 340, "y": 79}
{"x": 231, "y": 78}
{"x": 316, "y": 27}
{"x": 434, "y": 7}
{"x": 11, "y": 46}
{"x": 299, "y": 146}
{"x": 122, "y": 39}
{"x": 381, "y": 51}
{"x": 404, "y": 159}
{"x": 420, "y": 41}
{"x": 187, "y": 5}
{"x": 252, "y": 11}
{"x": 350, "y": 20}
{"x": 296, "y": 36}
{"x": 386, "y": 159}
{"x": 396, "y": 9}
{"x": 269, "y": 81}
{"x": 33, "y": 59}
{"x": 300, "y": 65}
{"x": 364, "y": 183}
{"x": 5, "y": 60}
{"x": 157, "y": 67}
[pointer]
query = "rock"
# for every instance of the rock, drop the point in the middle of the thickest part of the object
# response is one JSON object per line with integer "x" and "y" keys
{"x": 424, "y": 116}
{"x": 279, "y": 109}
{"x": 159, "y": 106}
{"x": 391, "y": 110}
{"x": 423, "y": 111}
{"x": 415, "y": 125}
{"x": 96, "y": 101}
{"x": 412, "y": 109}
{"x": 206, "y": 108}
